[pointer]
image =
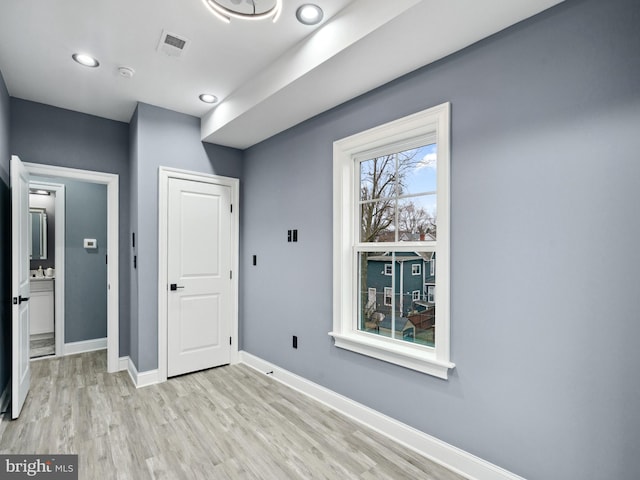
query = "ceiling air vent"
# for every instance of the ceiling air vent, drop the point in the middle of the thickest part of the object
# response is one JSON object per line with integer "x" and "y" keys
{"x": 172, "y": 45}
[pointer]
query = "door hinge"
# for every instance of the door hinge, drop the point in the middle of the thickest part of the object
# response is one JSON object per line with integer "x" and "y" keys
{"x": 106, "y": 259}
{"x": 230, "y": 340}
{"x": 230, "y": 274}
{"x": 231, "y": 208}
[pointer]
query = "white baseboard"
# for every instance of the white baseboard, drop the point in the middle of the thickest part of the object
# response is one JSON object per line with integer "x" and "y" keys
{"x": 448, "y": 456}
{"x": 85, "y": 346}
{"x": 142, "y": 379}
{"x": 123, "y": 363}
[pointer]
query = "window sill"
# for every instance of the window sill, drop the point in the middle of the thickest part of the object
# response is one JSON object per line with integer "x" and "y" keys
{"x": 403, "y": 355}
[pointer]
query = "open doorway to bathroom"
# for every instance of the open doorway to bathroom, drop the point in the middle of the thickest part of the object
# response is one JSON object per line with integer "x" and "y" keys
{"x": 46, "y": 251}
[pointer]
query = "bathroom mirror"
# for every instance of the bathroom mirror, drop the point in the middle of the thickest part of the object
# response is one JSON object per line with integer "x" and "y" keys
{"x": 38, "y": 233}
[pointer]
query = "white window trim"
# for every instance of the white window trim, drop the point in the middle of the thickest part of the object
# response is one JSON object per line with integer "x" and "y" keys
{"x": 390, "y": 269}
{"x": 432, "y": 267}
{"x": 419, "y": 269}
{"x": 434, "y": 361}
{"x": 413, "y": 295}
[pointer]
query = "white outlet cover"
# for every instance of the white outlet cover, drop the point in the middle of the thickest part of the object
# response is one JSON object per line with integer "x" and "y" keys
{"x": 90, "y": 243}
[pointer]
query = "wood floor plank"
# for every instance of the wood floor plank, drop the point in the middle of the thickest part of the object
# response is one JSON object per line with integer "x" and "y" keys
{"x": 224, "y": 423}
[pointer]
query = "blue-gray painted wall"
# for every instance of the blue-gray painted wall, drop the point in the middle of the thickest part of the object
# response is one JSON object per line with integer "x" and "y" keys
{"x": 545, "y": 179}
{"x": 168, "y": 139}
{"x": 86, "y": 278}
{"x": 5, "y": 239}
{"x": 54, "y": 136}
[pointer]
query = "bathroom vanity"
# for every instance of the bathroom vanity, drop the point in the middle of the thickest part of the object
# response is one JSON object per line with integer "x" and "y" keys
{"x": 41, "y": 305}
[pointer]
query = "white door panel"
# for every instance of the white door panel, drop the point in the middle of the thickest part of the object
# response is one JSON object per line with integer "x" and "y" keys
{"x": 20, "y": 371}
{"x": 199, "y": 264}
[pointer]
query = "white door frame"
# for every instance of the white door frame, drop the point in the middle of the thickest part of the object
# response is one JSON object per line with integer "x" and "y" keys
{"x": 165, "y": 174}
{"x": 113, "y": 286}
{"x": 59, "y": 204}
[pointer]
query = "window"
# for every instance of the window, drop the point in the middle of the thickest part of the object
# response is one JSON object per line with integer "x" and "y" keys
{"x": 388, "y": 296}
{"x": 432, "y": 267}
{"x": 430, "y": 293}
{"x": 391, "y": 205}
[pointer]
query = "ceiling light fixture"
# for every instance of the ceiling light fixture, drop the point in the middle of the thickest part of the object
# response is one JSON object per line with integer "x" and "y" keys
{"x": 309, "y": 14}
{"x": 225, "y": 10}
{"x": 208, "y": 98}
{"x": 86, "y": 60}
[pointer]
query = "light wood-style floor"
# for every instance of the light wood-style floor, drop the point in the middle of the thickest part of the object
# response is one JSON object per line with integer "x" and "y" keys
{"x": 225, "y": 423}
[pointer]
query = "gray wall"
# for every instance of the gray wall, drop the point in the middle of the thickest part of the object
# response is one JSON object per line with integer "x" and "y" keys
{"x": 168, "y": 139}
{"x": 86, "y": 275}
{"x": 545, "y": 172}
{"x": 54, "y": 136}
{"x": 5, "y": 240}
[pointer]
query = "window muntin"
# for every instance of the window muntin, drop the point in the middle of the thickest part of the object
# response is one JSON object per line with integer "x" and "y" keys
{"x": 357, "y": 209}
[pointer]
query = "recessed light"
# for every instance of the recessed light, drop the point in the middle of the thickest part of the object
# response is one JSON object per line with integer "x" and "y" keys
{"x": 208, "y": 98}
{"x": 86, "y": 60}
{"x": 309, "y": 14}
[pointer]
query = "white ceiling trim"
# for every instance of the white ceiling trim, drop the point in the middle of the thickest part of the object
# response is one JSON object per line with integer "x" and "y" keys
{"x": 349, "y": 26}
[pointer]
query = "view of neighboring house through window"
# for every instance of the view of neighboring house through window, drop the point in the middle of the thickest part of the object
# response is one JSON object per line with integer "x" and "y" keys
{"x": 391, "y": 227}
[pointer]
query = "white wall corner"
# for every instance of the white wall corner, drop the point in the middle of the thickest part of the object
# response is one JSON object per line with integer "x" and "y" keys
{"x": 453, "y": 458}
{"x": 142, "y": 379}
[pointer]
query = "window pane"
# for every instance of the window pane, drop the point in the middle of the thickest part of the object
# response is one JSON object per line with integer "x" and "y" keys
{"x": 378, "y": 178}
{"x": 377, "y": 221}
{"x": 398, "y": 196}
{"x": 417, "y": 218}
{"x": 401, "y": 305}
{"x": 419, "y": 172}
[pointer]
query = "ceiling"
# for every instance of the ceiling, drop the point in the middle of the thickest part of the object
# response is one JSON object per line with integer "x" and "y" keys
{"x": 268, "y": 76}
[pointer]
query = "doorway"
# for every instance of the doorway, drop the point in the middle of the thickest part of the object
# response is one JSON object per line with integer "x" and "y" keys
{"x": 198, "y": 214}
{"x": 47, "y": 261}
{"x": 112, "y": 283}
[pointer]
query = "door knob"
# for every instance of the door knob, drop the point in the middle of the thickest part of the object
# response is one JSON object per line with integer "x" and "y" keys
{"x": 175, "y": 286}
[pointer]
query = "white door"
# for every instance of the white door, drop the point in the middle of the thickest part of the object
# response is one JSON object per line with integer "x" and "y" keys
{"x": 20, "y": 372}
{"x": 199, "y": 276}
